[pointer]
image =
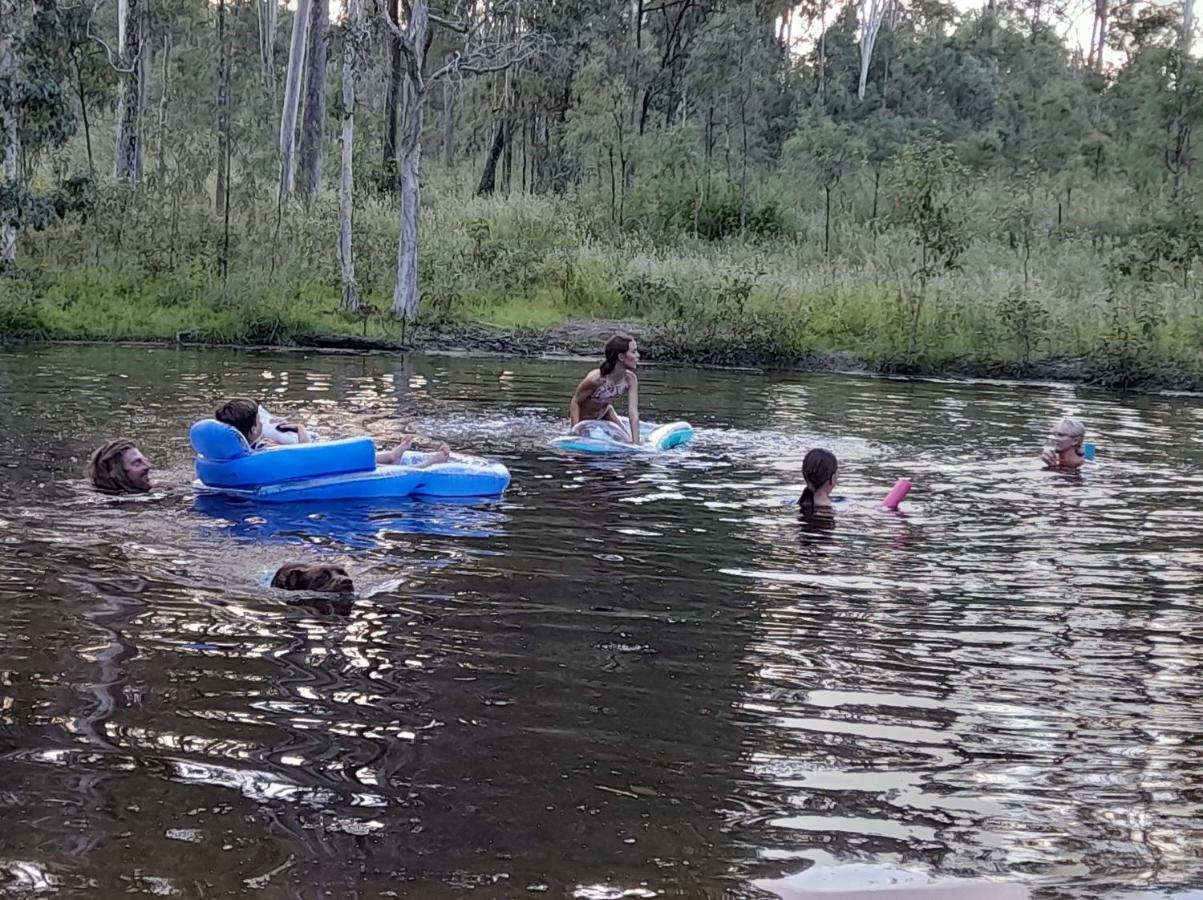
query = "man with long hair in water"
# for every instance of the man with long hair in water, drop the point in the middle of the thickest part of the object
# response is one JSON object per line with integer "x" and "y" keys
{"x": 119, "y": 467}
{"x": 593, "y": 400}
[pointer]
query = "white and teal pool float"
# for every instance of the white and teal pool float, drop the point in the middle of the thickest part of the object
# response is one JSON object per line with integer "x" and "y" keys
{"x": 606, "y": 437}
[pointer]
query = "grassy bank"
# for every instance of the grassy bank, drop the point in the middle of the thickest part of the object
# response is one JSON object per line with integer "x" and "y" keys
{"x": 523, "y": 265}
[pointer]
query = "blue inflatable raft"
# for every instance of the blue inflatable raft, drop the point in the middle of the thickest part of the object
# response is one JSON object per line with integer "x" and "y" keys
{"x": 330, "y": 470}
{"x": 604, "y": 437}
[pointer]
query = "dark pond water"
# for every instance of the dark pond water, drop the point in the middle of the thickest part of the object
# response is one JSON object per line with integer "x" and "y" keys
{"x": 639, "y": 677}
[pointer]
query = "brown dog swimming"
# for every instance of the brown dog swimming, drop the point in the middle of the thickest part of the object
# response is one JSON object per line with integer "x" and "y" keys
{"x": 325, "y": 578}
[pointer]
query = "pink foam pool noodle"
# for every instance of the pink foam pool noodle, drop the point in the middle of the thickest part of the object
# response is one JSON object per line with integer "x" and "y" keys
{"x": 897, "y": 493}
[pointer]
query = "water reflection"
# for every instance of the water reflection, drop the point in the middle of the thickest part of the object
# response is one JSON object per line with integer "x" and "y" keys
{"x": 358, "y": 525}
{"x": 976, "y": 698}
{"x": 629, "y": 677}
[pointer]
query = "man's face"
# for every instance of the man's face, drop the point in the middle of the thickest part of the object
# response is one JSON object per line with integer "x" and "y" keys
{"x": 137, "y": 468}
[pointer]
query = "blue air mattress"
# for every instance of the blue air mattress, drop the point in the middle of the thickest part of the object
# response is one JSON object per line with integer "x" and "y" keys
{"x": 331, "y": 470}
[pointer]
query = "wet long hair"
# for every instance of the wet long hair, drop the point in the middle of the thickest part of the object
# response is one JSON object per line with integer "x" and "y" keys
{"x": 818, "y": 468}
{"x": 615, "y": 347}
{"x": 240, "y": 414}
{"x": 106, "y": 469}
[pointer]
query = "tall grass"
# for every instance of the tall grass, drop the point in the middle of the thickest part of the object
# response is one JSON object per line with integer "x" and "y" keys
{"x": 141, "y": 268}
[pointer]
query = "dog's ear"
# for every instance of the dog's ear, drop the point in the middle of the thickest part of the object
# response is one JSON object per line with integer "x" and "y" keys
{"x": 297, "y": 580}
{"x": 289, "y": 577}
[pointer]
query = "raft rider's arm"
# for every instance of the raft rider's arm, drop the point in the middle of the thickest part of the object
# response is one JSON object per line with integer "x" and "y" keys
{"x": 583, "y": 390}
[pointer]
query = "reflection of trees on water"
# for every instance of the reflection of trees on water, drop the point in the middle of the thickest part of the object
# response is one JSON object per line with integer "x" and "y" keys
{"x": 982, "y": 698}
{"x": 1009, "y": 695}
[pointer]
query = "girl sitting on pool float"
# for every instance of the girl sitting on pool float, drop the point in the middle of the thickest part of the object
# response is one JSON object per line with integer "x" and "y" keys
{"x": 594, "y": 397}
{"x": 819, "y": 469}
{"x": 243, "y": 416}
{"x": 1067, "y": 451}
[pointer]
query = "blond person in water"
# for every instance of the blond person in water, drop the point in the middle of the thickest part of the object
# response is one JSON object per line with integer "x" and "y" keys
{"x": 594, "y": 396}
{"x": 1068, "y": 449}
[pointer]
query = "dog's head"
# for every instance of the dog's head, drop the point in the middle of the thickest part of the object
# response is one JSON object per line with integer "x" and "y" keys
{"x": 323, "y": 577}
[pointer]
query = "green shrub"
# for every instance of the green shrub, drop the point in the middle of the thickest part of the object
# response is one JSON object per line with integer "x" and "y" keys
{"x": 708, "y": 207}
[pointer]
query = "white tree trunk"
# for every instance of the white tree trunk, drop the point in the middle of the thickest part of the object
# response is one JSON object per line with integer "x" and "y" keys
{"x": 478, "y": 58}
{"x": 405, "y": 293}
{"x": 352, "y": 45}
{"x": 269, "y": 17}
{"x": 872, "y": 12}
{"x": 309, "y": 179}
{"x": 1188, "y": 26}
{"x": 10, "y": 147}
{"x": 292, "y": 96}
{"x": 128, "y": 162}
{"x": 823, "y": 50}
{"x": 448, "y": 122}
{"x": 1098, "y": 37}
{"x": 221, "y": 197}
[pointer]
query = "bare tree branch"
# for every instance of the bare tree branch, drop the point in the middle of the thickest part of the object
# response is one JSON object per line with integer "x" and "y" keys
{"x": 460, "y": 27}
{"x": 108, "y": 51}
{"x": 467, "y": 19}
{"x": 486, "y": 58}
{"x": 648, "y": 10}
{"x": 407, "y": 44}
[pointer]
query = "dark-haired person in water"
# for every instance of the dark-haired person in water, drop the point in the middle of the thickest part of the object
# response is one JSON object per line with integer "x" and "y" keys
{"x": 243, "y": 416}
{"x": 119, "y": 467}
{"x": 820, "y": 470}
{"x": 594, "y": 397}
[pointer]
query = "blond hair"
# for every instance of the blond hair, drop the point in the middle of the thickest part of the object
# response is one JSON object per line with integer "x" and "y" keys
{"x": 1074, "y": 427}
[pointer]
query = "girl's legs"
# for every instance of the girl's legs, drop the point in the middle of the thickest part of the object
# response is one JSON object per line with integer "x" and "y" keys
{"x": 612, "y": 417}
{"x": 607, "y": 424}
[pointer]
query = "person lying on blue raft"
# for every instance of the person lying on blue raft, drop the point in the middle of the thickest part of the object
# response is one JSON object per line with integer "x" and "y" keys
{"x": 232, "y": 458}
{"x": 248, "y": 417}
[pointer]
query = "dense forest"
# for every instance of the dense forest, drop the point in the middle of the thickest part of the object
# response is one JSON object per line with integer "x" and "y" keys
{"x": 915, "y": 182}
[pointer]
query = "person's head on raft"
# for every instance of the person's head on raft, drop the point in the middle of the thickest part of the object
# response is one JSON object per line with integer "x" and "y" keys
{"x": 621, "y": 348}
{"x": 243, "y": 415}
{"x": 119, "y": 467}
{"x": 322, "y": 577}
{"x": 1069, "y": 434}
{"x": 820, "y": 471}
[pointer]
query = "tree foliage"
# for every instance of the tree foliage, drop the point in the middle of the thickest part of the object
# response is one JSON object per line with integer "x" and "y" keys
{"x": 703, "y": 118}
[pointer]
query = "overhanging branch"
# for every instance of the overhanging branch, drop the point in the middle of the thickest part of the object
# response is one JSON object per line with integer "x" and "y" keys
{"x": 108, "y": 51}
{"x": 406, "y": 43}
{"x": 486, "y": 58}
{"x": 460, "y": 26}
